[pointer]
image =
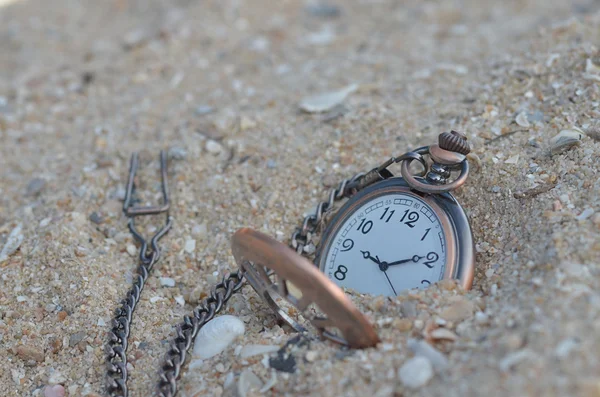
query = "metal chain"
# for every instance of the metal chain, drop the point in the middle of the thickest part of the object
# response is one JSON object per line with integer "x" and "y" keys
{"x": 186, "y": 331}
{"x": 303, "y": 234}
{"x": 116, "y": 348}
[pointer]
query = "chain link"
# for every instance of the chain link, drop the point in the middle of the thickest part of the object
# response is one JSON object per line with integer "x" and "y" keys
{"x": 186, "y": 331}
{"x": 116, "y": 347}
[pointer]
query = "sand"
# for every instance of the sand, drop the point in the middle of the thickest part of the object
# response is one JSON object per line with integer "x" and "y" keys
{"x": 83, "y": 84}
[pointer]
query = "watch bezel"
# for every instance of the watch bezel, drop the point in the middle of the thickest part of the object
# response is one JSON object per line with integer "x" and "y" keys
{"x": 460, "y": 252}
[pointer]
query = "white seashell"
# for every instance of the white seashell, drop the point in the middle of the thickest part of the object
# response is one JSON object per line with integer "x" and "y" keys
{"x": 270, "y": 383}
{"x": 592, "y": 71}
{"x": 416, "y": 372}
{"x": 522, "y": 120}
{"x": 327, "y": 101}
{"x": 585, "y": 214}
{"x": 442, "y": 333}
{"x": 14, "y": 240}
{"x": 565, "y": 140}
{"x": 512, "y": 359}
{"x": 217, "y": 335}
{"x": 254, "y": 350}
{"x": 248, "y": 380}
{"x": 451, "y": 67}
{"x": 166, "y": 281}
{"x": 564, "y": 348}
{"x": 551, "y": 59}
{"x": 512, "y": 160}
{"x": 422, "y": 348}
{"x": 591, "y": 67}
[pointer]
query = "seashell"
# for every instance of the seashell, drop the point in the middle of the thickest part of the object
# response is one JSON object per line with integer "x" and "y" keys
{"x": 217, "y": 335}
{"x": 254, "y": 350}
{"x": 442, "y": 334}
{"x": 416, "y": 372}
{"x": 327, "y": 101}
{"x": 422, "y": 348}
{"x": 248, "y": 380}
{"x": 14, "y": 240}
{"x": 592, "y": 71}
{"x": 522, "y": 120}
{"x": 270, "y": 383}
{"x": 512, "y": 160}
{"x": 451, "y": 67}
{"x": 565, "y": 140}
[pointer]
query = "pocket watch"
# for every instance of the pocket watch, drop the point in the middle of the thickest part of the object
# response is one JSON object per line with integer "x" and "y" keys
{"x": 397, "y": 232}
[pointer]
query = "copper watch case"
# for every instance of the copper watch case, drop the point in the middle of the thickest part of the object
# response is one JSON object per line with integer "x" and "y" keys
{"x": 460, "y": 251}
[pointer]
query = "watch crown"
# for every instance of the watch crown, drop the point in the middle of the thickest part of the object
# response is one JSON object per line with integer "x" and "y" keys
{"x": 454, "y": 141}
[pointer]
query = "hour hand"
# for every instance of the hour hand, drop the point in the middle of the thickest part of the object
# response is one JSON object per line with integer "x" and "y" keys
{"x": 414, "y": 258}
{"x": 367, "y": 255}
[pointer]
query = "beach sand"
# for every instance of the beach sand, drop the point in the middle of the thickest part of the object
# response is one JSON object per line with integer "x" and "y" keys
{"x": 83, "y": 84}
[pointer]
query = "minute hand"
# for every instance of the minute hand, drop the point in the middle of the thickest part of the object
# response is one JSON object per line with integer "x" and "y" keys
{"x": 414, "y": 259}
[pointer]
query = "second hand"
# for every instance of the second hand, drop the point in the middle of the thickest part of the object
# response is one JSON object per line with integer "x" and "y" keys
{"x": 389, "y": 281}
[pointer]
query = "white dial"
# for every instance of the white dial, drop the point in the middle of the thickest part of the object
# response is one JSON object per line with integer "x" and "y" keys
{"x": 388, "y": 244}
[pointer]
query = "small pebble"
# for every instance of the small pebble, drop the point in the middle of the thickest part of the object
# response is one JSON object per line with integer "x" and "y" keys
{"x": 190, "y": 246}
{"x": 253, "y": 350}
{"x": 167, "y": 282}
{"x": 324, "y": 102}
{"x": 203, "y": 110}
{"x": 311, "y": 356}
{"x": 246, "y": 123}
{"x": 416, "y": 372}
{"x": 180, "y": 300}
{"x": 512, "y": 359}
{"x": 458, "y": 310}
{"x": 13, "y": 242}
{"x": 200, "y": 230}
{"x": 75, "y": 338}
{"x": 131, "y": 250}
{"x": 30, "y": 353}
{"x": 422, "y": 348}
{"x": 565, "y": 347}
{"x": 585, "y": 214}
{"x": 248, "y": 381}
{"x": 566, "y": 140}
{"x": 213, "y": 147}
{"x": 177, "y": 153}
{"x": 442, "y": 334}
{"x": 35, "y": 187}
{"x": 323, "y": 10}
{"x": 54, "y": 391}
{"x": 96, "y": 218}
{"x": 56, "y": 378}
{"x": 135, "y": 38}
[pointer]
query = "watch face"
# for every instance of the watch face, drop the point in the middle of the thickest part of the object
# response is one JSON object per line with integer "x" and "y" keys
{"x": 387, "y": 241}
